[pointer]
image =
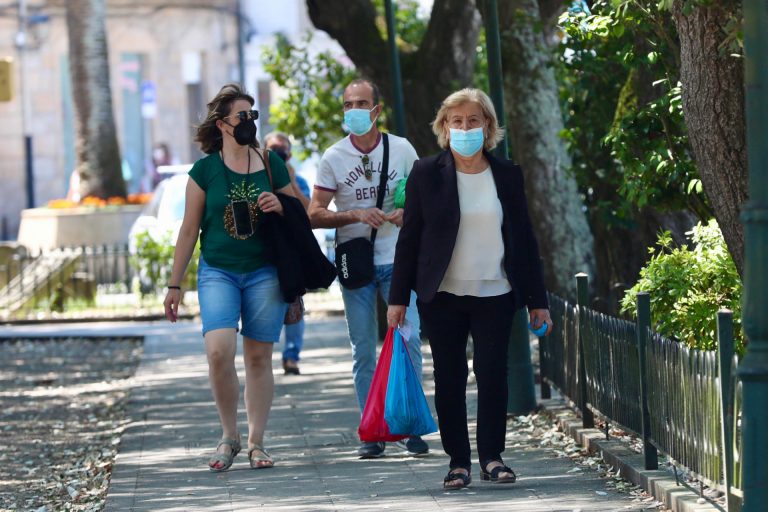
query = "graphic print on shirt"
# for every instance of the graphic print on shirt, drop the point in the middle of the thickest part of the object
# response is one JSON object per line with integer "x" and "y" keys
{"x": 364, "y": 180}
{"x": 243, "y": 192}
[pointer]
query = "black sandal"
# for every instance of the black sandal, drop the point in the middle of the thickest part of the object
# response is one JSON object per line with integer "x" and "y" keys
{"x": 493, "y": 475}
{"x": 453, "y": 476}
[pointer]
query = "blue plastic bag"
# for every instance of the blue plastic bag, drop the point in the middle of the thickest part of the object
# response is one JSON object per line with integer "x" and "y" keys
{"x": 405, "y": 408}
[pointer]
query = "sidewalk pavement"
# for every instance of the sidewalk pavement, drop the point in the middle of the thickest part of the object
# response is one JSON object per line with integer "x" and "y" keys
{"x": 173, "y": 428}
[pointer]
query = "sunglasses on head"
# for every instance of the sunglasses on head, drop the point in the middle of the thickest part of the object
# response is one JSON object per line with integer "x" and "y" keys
{"x": 246, "y": 114}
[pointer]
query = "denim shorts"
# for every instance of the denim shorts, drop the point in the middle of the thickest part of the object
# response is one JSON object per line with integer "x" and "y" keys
{"x": 227, "y": 298}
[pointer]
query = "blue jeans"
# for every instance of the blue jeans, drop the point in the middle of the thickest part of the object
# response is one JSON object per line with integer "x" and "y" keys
{"x": 360, "y": 309}
{"x": 294, "y": 340}
{"x": 251, "y": 299}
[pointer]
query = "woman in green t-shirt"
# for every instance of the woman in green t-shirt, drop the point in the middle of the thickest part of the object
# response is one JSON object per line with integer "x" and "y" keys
{"x": 229, "y": 189}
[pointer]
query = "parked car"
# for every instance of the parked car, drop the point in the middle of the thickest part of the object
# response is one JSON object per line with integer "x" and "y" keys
{"x": 164, "y": 212}
{"x": 153, "y": 235}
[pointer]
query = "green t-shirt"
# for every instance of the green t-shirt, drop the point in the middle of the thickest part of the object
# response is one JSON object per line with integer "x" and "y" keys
{"x": 220, "y": 245}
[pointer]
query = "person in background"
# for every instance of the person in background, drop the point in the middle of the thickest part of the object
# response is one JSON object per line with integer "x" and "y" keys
{"x": 161, "y": 155}
{"x": 280, "y": 144}
{"x": 349, "y": 173}
{"x": 227, "y": 193}
{"x": 468, "y": 249}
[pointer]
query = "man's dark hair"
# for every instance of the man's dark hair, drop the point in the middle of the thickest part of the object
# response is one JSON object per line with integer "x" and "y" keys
{"x": 374, "y": 87}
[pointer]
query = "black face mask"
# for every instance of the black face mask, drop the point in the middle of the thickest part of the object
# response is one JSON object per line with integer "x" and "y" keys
{"x": 245, "y": 132}
{"x": 283, "y": 154}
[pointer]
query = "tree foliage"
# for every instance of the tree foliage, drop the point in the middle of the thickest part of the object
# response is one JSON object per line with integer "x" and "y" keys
{"x": 688, "y": 286}
{"x": 437, "y": 55}
{"x": 624, "y": 121}
{"x": 153, "y": 262}
{"x": 313, "y": 84}
{"x": 410, "y": 24}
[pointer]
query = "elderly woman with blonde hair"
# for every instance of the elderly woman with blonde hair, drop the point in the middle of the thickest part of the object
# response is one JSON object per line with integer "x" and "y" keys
{"x": 468, "y": 250}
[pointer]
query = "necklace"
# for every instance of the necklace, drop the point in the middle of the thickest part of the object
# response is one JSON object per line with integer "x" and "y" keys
{"x": 226, "y": 175}
{"x": 240, "y": 214}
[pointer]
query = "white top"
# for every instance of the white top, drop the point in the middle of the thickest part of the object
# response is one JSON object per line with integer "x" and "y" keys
{"x": 477, "y": 262}
{"x": 341, "y": 171}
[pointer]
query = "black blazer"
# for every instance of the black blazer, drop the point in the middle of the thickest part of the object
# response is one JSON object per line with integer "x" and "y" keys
{"x": 431, "y": 223}
{"x": 293, "y": 250}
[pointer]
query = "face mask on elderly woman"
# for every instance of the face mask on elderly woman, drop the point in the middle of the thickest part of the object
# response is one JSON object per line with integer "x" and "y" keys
{"x": 467, "y": 142}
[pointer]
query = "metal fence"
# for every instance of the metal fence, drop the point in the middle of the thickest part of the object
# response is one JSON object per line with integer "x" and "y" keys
{"x": 46, "y": 279}
{"x": 684, "y": 406}
{"x": 559, "y": 350}
{"x": 612, "y": 369}
{"x": 693, "y": 413}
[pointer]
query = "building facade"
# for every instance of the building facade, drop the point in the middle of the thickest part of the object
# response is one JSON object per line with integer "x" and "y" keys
{"x": 167, "y": 58}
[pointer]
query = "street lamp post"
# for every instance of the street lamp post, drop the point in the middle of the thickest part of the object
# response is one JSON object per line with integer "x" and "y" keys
{"x": 521, "y": 398}
{"x": 394, "y": 65}
{"x": 495, "y": 80}
{"x": 21, "y": 46}
{"x": 753, "y": 369}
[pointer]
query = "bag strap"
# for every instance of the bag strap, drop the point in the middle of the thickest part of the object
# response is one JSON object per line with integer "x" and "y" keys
{"x": 382, "y": 181}
{"x": 265, "y": 160}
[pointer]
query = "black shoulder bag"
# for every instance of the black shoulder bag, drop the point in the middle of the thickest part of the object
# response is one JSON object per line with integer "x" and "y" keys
{"x": 354, "y": 258}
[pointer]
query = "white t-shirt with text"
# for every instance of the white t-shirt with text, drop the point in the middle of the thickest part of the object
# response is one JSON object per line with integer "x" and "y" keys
{"x": 342, "y": 171}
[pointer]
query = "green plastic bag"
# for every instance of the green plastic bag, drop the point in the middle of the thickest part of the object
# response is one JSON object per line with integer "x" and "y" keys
{"x": 400, "y": 193}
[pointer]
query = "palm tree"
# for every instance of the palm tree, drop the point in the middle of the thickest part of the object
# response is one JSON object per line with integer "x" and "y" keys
{"x": 98, "y": 154}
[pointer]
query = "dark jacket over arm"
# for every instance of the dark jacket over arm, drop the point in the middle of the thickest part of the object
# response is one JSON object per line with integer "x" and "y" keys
{"x": 293, "y": 250}
{"x": 431, "y": 224}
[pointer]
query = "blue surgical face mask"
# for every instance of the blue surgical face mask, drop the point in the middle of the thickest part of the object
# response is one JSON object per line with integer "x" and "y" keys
{"x": 358, "y": 120}
{"x": 467, "y": 142}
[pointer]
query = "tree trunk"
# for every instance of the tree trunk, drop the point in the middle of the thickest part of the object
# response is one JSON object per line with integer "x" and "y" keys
{"x": 713, "y": 104}
{"x": 443, "y": 63}
{"x": 535, "y": 123}
{"x": 622, "y": 251}
{"x": 98, "y": 154}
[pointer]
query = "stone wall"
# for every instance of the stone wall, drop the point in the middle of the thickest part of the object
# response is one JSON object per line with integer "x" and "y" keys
{"x": 50, "y": 228}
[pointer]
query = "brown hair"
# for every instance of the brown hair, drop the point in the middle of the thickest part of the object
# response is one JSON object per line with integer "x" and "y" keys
{"x": 208, "y": 134}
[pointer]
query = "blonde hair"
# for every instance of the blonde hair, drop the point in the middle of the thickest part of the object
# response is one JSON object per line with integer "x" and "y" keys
{"x": 458, "y": 98}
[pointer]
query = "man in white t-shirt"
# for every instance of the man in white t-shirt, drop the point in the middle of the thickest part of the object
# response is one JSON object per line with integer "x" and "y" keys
{"x": 349, "y": 174}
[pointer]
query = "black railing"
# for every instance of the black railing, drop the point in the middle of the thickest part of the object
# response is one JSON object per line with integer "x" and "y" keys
{"x": 685, "y": 406}
{"x": 684, "y": 395}
{"x": 613, "y": 369}
{"x": 561, "y": 348}
{"x": 48, "y": 279}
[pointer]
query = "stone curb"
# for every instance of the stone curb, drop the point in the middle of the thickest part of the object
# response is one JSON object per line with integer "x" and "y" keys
{"x": 659, "y": 483}
{"x": 92, "y": 319}
{"x": 314, "y": 313}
